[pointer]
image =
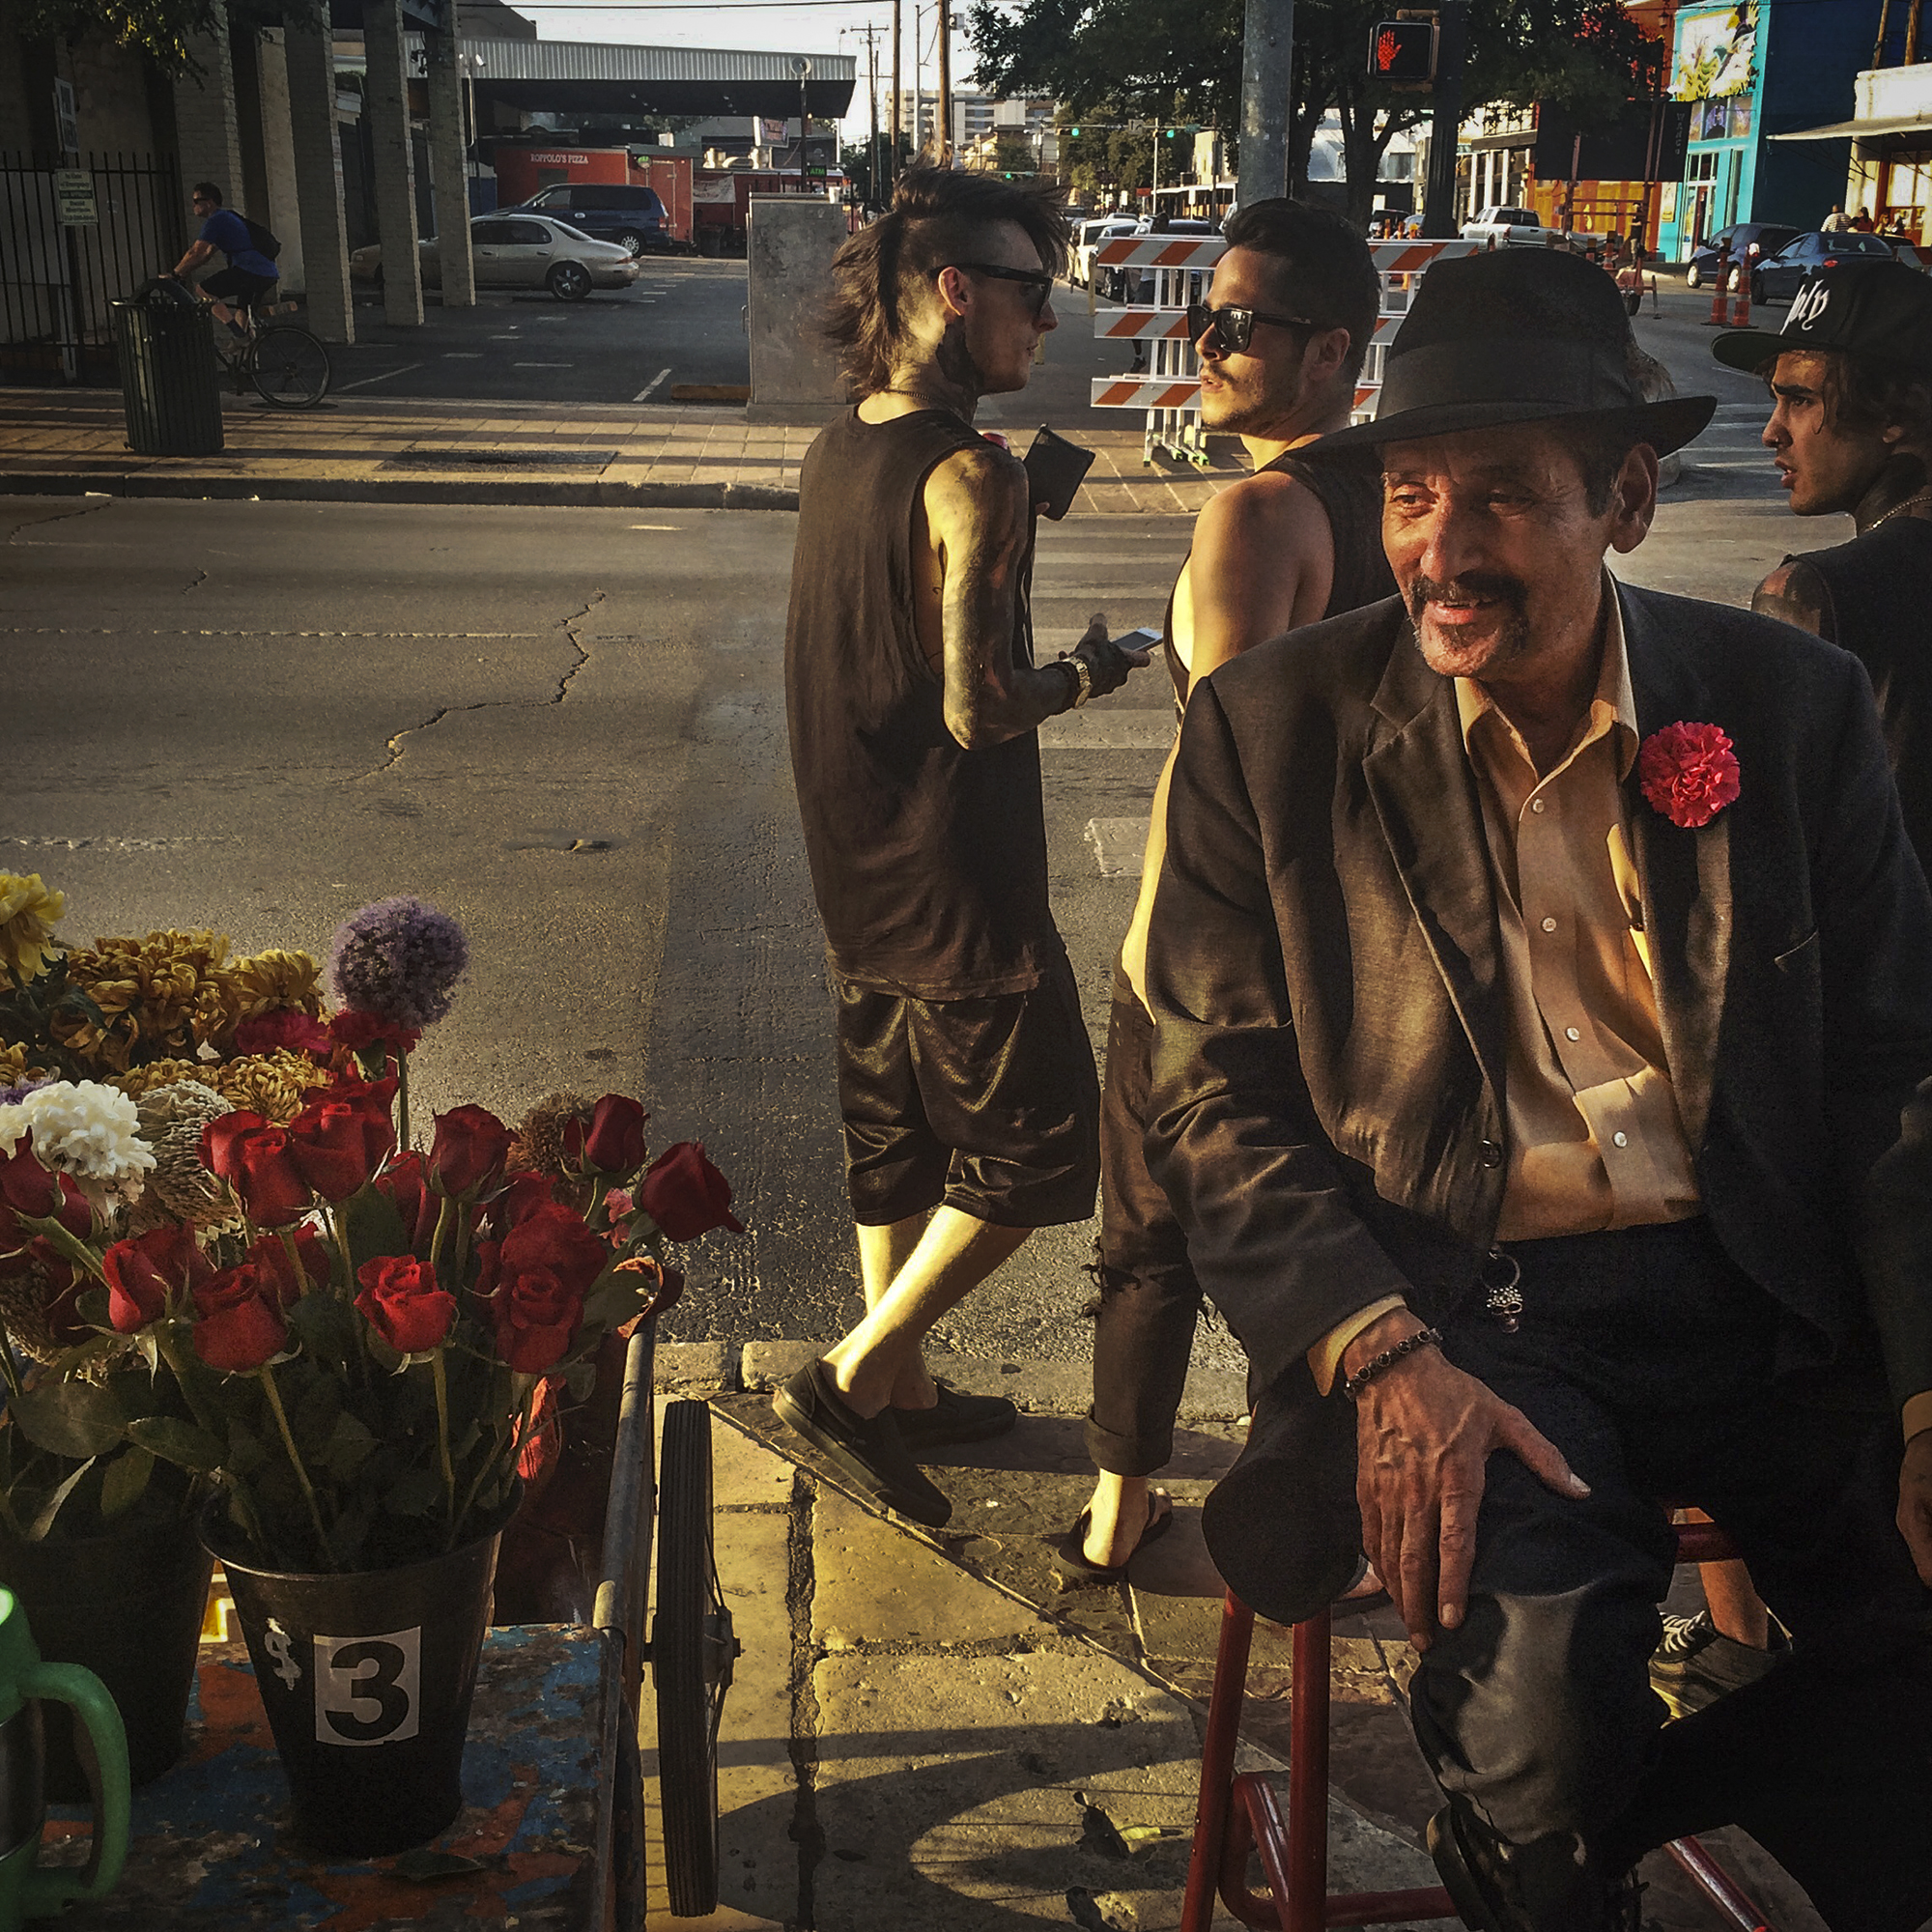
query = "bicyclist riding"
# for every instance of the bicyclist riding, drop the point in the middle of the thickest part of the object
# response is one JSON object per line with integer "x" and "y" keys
{"x": 249, "y": 274}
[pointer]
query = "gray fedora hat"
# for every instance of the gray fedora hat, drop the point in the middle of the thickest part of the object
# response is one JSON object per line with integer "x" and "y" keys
{"x": 1517, "y": 336}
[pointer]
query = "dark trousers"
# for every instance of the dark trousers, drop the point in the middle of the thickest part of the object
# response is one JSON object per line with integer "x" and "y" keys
{"x": 1144, "y": 1325}
{"x": 1646, "y": 1357}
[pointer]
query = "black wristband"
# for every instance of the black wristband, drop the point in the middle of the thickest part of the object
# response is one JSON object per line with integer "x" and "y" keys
{"x": 1423, "y": 1338}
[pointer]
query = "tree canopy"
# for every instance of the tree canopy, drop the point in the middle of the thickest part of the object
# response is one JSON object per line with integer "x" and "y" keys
{"x": 1166, "y": 61}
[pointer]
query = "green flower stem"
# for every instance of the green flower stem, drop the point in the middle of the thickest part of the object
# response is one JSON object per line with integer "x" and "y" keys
{"x": 275, "y": 1396}
{"x": 446, "y": 1219}
{"x": 442, "y": 1382}
{"x": 288, "y": 1234}
{"x": 402, "y": 1060}
{"x": 69, "y": 1244}
{"x": 338, "y": 1225}
{"x": 461, "y": 1266}
{"x": 515, "y": 1433}
{"x": 171, "y": 1352}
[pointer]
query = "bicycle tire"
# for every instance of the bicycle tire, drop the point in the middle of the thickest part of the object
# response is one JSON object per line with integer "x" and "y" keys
{"x": 289, "y": 367}
{"x": 692, "y": 1648}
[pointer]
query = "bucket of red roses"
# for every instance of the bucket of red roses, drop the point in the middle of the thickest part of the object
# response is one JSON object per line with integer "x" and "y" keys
{"x": 352, "y": 1346}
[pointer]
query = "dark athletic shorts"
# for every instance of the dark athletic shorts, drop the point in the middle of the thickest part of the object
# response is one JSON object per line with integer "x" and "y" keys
{"x": 990, "y": 1105}
{"x": 238, "y": 285}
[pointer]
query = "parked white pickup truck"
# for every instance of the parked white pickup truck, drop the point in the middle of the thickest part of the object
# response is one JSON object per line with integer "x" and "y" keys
{"x": 1519, "y": 228}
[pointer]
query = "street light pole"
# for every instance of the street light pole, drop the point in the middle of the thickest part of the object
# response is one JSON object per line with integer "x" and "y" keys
{"x": 944, "y": 144}
{"x": 1438, "y": 207}
{"x": 893, "y": 173}
{"x": 1268, "y": 80}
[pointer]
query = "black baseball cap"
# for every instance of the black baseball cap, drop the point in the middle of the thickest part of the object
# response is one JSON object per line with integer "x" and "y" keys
{"x": 1881, "y": 309}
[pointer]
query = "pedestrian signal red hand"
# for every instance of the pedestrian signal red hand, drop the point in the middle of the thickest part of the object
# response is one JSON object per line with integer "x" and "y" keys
{"x": 1386, "y": 48}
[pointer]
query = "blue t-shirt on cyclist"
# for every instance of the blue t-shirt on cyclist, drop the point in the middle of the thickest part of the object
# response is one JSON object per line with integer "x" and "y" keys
{"x": 226, "y": 230}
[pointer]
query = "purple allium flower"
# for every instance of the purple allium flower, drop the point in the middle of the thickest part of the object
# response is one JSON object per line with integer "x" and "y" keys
{"x": 399, "y": 959}
{"x": 12, "y": 1096}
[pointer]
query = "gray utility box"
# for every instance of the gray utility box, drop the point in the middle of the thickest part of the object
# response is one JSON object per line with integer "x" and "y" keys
{"x": 168, "y": 384}
{"x": 794, "y": 375}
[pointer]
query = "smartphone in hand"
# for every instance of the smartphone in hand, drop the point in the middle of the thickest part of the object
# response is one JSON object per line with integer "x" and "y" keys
{"x": 1055, "y": 470}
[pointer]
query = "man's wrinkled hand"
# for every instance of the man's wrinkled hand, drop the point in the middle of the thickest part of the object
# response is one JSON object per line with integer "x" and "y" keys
{"x": 1107, "y": 662}
{"x": 1915, "y": 1503}
{"x": 1424, "y": 1432}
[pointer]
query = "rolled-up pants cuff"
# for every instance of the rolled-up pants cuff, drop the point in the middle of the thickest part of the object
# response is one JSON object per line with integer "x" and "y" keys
{"x": 1127, "y": 1455}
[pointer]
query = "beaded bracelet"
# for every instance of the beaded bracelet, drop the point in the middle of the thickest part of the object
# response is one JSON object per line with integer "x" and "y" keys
{"x": 1423, "y": 1338}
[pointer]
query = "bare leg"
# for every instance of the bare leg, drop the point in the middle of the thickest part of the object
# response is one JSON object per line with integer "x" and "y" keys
{"x": 1117, "y": 1517}
{"x": 879, "y": 1361}
{"x": 1736, "y": 1608}
{"x": 882, "y": 1253}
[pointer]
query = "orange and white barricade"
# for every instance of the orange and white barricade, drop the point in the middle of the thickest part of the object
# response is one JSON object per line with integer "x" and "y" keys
{"x": 1170, "y": 389}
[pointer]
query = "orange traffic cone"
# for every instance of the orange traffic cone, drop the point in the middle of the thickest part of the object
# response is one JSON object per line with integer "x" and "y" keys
{"x": 1741, "y": 308}
{"x": 1720, "y": 306}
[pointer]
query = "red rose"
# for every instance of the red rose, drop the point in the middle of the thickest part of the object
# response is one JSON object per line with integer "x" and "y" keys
{"x": 254, "y": 1157}
{"x": 403, "y": 1304}
{"x": 521, "y": 1196}
{"x": 287, "y": 1030}
{"x": 685, "y": 1195}
{"x": 145, "y": 1272}
{"x": 466, "y": 1157}
{"x": 1688, "y": 773}
{"x": 238, "y": 1327}
{"x": 280, "y": 1281}
{"x": 343, "y": 1136}
{"x": 359, "y": 1032}
{"x": 613, "y": 1141}
{"x": 534, "y": 1280}
{"x": 26, "y": 1187}
{"x": 403, "y": 1183}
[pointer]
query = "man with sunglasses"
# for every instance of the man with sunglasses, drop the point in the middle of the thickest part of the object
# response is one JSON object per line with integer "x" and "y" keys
{"x": 1288, "y": 320}
{"x": 966, "y": 1081}
{"x": 249, "y": 274}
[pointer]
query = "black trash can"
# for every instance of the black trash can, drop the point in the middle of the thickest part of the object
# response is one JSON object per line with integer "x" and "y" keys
{"x": 167, "y": 374}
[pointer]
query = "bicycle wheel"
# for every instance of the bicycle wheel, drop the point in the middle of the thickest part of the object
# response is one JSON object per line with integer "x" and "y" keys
{"x": 289, "y": 368}
{"x": 692, "y": 1651}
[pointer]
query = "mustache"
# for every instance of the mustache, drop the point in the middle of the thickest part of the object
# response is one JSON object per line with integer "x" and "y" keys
{"x": 1472, "y": 587}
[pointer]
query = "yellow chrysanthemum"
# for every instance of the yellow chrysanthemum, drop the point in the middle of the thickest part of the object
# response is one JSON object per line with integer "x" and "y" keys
{"x": 268, "y": 1084}
{"x": 17, "y": 1066}
{"x": 275, "y": 981}
{"x": 28, "y": 911}
{"x": 139, "y": 1081}
{"x": 158, "y": 992}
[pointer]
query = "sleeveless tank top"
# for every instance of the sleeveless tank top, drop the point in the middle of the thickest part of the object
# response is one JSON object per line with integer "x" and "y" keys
{"x": 1879, "y": 606}
{"x": 1352, "y": 496}
{"x": 928, "y": 861}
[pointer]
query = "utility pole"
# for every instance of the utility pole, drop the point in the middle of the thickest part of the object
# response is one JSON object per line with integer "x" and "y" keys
{"x": 898, "y": 33}
{"x": 1438, "y": 207}
{"x": 872, "y": 90}
{"x": 943, "y": 143}
{"x": 917, "y": 91}
{"x": 1267, "y": 77}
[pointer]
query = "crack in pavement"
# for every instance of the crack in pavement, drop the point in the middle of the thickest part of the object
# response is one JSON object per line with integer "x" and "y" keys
{"x": 195, "y": 583}
{"x": 567, "y": 625}
{"x": 18, "y": 533}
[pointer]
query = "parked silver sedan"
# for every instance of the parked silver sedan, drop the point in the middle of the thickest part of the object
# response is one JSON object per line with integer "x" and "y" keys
{"x": 522, "y": 251}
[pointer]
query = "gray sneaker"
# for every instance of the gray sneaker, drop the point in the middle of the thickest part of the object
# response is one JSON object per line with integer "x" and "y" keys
{"x": 1696, "y": 1664}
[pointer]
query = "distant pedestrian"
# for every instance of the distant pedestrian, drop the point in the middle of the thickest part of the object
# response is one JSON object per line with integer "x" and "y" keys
{"x": 1850, "y": 374}
{"x": 965, "y": 1078}
{"x": 1836, "y": 222}
{"x": 1288, "y": 320}
{"x": 1862, "y": 223}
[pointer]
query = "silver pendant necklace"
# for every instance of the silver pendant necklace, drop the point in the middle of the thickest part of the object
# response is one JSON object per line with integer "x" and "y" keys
{"x": 1898, "y": 509}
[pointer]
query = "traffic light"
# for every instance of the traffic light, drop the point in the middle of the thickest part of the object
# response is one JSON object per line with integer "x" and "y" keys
{"x": 1402, "y": 53}
{"x": 1076, "y": 132}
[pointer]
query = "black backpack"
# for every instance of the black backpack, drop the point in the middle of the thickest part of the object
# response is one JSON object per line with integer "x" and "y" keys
{"x": 260, "y": 238}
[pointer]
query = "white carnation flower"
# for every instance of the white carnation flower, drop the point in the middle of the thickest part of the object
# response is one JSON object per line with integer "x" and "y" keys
{"x": 86, "y": 1129}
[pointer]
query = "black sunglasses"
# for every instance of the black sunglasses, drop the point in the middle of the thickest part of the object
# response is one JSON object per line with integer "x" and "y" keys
{"x": 1234, "y": 328}
{"x": 1039, "y": 283}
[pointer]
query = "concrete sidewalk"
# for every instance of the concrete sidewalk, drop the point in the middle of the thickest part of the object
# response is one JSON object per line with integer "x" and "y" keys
{"x": 70, "y": 442}
{"x": 924, "y": 1732}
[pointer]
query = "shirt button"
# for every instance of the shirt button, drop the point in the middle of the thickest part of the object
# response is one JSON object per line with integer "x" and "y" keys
{"x": 1571, "y": 1033}
{"x": 1550, "y": 925}
{"x": 1619, "y": 1139}
{"x": 1491, "y": 1154}
{"x": 1536, "y": 805}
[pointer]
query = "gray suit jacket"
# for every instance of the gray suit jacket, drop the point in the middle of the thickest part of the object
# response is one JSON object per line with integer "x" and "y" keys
{"x": 1327, "y": 1111}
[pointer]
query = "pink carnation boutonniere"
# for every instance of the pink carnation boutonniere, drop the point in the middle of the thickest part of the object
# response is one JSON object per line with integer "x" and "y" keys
{"x": 1688, "y": 773}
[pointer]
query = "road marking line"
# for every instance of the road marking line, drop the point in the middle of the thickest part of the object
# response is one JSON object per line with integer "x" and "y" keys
{"x": 657, "y": 526}
{"x": 1116, "y": 731}
{"x": 463, "y": 355}
{"x": 1119, "y": 844}
{"x": 364, "y": 382}
{"x": 540, "y": 365}
{"x": 643, "y": 395}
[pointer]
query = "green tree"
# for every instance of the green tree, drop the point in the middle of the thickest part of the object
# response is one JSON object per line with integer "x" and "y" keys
{"x": 1170, "y": 60}
{"x": 160, "y": 29}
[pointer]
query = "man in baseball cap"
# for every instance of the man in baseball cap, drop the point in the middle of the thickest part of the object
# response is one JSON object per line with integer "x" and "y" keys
{"x": 1850, "y": 374}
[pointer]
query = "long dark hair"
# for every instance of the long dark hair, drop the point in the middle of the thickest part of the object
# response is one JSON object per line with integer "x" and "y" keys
{"x": 938, "y": 217}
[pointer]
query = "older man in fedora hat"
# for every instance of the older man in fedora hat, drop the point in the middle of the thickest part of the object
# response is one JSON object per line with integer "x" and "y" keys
{"x": 1539, "y": 967}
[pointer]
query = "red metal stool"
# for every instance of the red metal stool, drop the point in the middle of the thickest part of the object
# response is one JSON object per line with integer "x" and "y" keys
{"x": 1238, "y": 1816}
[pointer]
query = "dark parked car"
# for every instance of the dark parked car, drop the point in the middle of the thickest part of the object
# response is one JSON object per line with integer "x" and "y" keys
{"x": 1750, "y": 241}
{"x": 632, "y": 217}
{"x": 1776, "y": 278}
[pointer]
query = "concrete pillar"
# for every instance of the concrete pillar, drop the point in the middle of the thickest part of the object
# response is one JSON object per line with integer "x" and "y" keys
{"x": 386, "y": 102}
{"x": 206, "y": 141}
{"x": 278, "y": 159}
{"x": 449, "y": 170}
{"x": 318, "y": 167}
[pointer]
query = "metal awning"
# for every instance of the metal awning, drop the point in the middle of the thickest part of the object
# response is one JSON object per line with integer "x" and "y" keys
{"x": 1861, "y": 131}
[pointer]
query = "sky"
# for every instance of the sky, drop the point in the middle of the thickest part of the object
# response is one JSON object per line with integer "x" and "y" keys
{"x": 767, "y": 26}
